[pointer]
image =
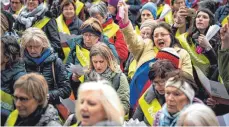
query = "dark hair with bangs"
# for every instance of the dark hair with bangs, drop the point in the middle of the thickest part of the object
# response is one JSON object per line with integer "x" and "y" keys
{"x": 160, "y": 69}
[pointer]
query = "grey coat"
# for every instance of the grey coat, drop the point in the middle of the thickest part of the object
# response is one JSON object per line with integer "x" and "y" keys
{"x": 149, "y": 97}
{"x": 50, "y": 117}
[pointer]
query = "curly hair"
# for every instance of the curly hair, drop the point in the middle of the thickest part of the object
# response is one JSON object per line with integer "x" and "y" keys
{"x": 10, "y": 49}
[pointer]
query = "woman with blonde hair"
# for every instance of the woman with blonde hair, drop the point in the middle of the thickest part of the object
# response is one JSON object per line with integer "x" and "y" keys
{"x": 36, "y": 14}
{"x": 39, "y": 57}
{"x": 91, "y": 31}
{"x": 104, "y": 66}
{"x": 197, "y": 115}
{"x": 97, "y": 102}
{"x": 32, "y": 108}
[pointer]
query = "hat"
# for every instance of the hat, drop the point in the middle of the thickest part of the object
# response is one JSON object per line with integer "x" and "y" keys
{"x": 170, "y": 54}
{"x": 90, "y": 30}
{"x": 183, "y": 86}
{"x": 150, "y": 7}
{"x": 149, "y": 23}
{"x": 113, "y": 2}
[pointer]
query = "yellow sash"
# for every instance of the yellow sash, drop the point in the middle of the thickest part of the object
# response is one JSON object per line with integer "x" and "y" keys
{"x": 168, "y": 17}
{"x": 62, "y": 27}
{"x": 149, "y": 110}
{"x": 198, "y": 60}
{"x": 17, "y": 12}
{"x": 96, "y": 1}
{"x": 40, "y": 24}
{"x": 137, "y": 30}
{"x": 132, "y": 68}
{"x": 110, "y": 30}
{"x": 225, "y": 20}
{"x": 11, "y": 120}
{"x": 177, "y": 33}
{"x": 83, "y": 56}
{"x": 79, "y": 6}
{"x": 6, "y": 101}
{"x": 159, "y": 9}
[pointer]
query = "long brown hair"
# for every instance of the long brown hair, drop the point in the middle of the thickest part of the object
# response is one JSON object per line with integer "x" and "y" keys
{"x": 103, "y": 50}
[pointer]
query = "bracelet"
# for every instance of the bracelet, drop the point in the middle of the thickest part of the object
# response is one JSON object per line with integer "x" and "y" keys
{"x": 208, "y": 48}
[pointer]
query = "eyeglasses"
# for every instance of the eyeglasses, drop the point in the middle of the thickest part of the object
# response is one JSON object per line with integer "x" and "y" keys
{"x": 32, "y": 0}
{"x": 88, "y": 35}
{"x": 161, "y": 34}
{"x": 15, "y": 2}
{"x": 22, "y": 99}
{"x": 159, "y": 83}
{"x": 145, "y": 34}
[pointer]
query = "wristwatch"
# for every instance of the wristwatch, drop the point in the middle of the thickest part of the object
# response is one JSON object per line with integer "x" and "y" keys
{"x": 208, "y": 48}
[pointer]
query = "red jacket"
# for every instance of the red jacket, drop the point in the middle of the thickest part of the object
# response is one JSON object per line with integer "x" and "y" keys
{"x": 119, "y": 43}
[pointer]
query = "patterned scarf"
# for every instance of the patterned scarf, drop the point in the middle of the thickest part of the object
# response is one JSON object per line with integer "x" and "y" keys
{"x": 166, "y": 119}
{"x": 27, "y": 18}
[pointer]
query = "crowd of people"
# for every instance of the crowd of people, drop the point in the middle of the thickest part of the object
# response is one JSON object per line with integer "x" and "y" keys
{"x": 154, "y": 61}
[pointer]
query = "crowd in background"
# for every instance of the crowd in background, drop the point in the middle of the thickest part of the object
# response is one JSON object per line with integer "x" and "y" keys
{"x": 160, "y": 62}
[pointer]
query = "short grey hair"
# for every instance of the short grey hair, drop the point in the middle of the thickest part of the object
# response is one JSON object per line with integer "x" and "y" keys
{"x": 100, "y": 8}
{"x": 36, "y": 35}
{"x": 198, "y": 115}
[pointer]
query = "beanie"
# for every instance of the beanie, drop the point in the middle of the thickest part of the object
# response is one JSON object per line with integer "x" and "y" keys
{"x": 149, "y": 23}
{"x": 113, "y": 2}
{"x": 183, "y": 86}
{"x": 150, "y": 7}
{"x": 169, "y": 54}
{"x": 91, "y": 30}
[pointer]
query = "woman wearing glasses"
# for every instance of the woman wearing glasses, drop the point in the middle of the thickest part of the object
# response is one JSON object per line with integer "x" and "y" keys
{"x": 12, "y": 67}
{"x": 179, "y": 94}
{"x": 36, "y": 14}
{"x": 91, "y": 31}
{"x": 39, "y": 57}
{"x": 145, "y": 52}
{"x": 32, "y": 108}
{"x": 153, "y": 99}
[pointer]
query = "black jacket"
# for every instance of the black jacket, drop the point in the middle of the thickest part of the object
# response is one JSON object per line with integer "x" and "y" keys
{"x": 10, "y": 75}
{"x": 45, "y": 68}
{"x": 50, "y": 29}
{"x": 74, "y": 27}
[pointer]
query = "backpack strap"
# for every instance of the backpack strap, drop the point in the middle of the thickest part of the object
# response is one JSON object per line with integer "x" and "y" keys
{"x": 116, "y": 81}
{"x": 54, "y": 75}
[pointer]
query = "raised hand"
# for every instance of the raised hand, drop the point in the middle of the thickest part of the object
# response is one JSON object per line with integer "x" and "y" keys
{"x": 122, "y": 3}
{"x": 179, "y": 20}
